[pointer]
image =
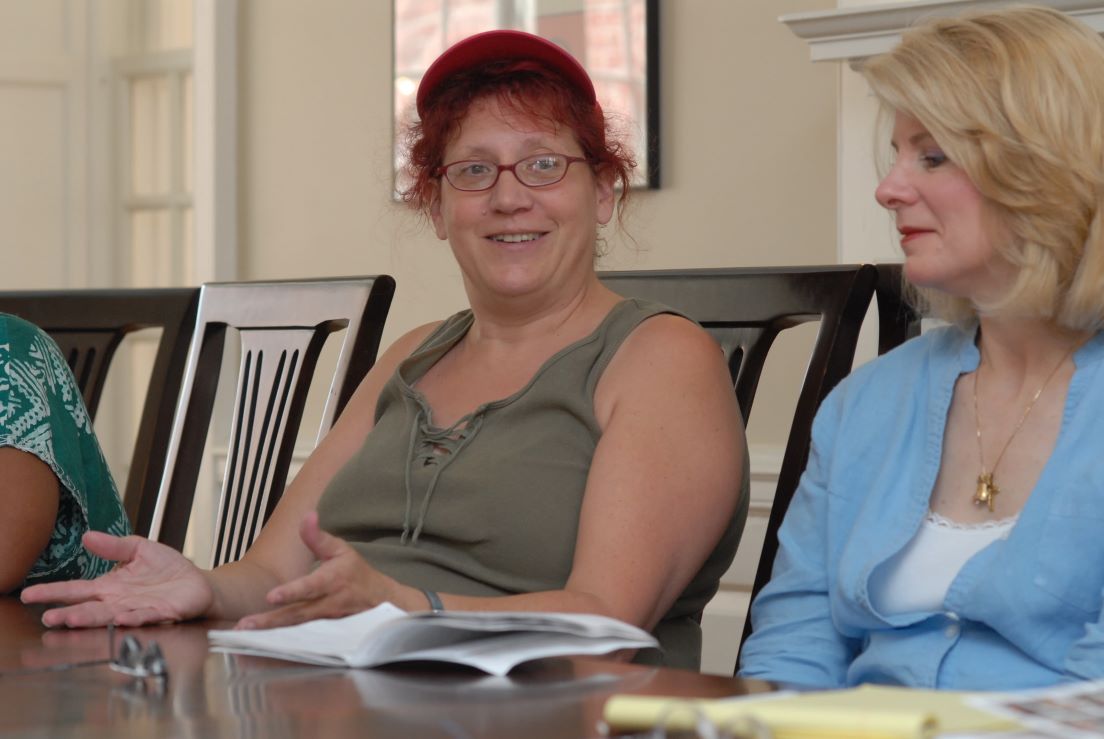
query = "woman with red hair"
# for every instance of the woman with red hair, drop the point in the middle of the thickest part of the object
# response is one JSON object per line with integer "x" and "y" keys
{"x": 553, "y": 448}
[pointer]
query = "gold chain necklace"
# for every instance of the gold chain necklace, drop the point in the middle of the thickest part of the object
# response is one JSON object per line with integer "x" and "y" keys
{"x": 986, "y": 489}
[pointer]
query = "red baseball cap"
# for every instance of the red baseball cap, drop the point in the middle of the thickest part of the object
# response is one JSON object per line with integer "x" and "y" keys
{"x": 502, "y": 45}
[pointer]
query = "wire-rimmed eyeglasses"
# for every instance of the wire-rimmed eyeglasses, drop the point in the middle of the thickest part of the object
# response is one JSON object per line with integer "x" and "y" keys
{"x": 540, "y": 170}
{"x": 131, "y": 659}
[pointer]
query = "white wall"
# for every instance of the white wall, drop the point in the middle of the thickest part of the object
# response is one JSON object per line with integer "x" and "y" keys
{"x": 866, "y": 230}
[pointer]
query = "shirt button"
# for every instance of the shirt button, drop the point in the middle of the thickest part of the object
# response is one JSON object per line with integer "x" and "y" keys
{"x": 951, "y": 631}
{"x": 952, "y": 615}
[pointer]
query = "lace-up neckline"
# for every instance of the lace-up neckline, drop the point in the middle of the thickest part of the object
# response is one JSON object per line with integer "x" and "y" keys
{"x": 431, "y": 445}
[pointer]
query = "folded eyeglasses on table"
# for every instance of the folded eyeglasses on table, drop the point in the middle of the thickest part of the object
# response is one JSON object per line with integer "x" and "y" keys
{"x": 130, "y": 659}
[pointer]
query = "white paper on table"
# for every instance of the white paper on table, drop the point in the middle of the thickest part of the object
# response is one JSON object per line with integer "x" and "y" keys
{"x": 494, "y": 642}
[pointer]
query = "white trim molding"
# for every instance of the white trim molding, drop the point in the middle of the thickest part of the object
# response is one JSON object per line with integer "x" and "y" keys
{"x": 723, "y": 622}
{"x": 216, "y": 201}
{"x": 853, "y": 33}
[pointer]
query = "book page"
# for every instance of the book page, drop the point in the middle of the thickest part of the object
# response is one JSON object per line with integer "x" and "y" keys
{"x": 494, "y": 642}
{"x": 320, "y": 642}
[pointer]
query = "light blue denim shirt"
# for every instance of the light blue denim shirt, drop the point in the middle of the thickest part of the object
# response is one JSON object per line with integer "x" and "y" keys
{"x": 1023, "y": 612}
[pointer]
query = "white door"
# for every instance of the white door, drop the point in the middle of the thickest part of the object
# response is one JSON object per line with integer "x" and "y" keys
{"x": 45, "y": 194}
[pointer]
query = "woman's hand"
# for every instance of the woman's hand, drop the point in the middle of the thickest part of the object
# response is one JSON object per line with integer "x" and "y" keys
{"x": 151, "y": 583}
{"x": 342, "y": 584}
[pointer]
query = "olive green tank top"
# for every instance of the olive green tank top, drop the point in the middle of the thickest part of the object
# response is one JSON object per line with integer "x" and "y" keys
{"x": 490, "y": 506}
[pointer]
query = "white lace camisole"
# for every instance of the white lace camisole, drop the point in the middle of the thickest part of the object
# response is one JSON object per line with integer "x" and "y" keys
{"x": 918, "y": 577}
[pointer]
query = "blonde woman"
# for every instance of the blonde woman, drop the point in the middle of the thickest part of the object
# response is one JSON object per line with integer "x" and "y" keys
{"x": 948, "y": 530}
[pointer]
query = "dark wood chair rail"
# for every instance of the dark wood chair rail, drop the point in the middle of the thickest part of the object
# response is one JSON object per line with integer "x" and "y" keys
{"x": 88, "y": 326}
{"x": 745, "y": 310}
{"x": 898, "y": 320}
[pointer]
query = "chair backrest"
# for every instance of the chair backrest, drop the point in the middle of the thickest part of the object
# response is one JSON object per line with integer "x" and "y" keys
{"x": 745, "y": 309}
{"x": 282, "y": 326}
{"x": 89, "y": 325}
{"x": 898, "y": 321}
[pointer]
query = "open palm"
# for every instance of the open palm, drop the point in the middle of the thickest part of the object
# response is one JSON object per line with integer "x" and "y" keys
{"x": 151, "y": 583}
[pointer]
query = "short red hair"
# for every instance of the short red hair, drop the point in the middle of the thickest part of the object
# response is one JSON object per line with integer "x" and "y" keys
{"x": 527, "y": 87}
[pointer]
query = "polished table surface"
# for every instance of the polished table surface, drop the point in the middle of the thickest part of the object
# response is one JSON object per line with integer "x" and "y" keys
{"x": 210, "y": 694}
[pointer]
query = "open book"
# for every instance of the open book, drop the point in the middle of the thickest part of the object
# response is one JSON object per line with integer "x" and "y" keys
{"x": 492, "y": 642}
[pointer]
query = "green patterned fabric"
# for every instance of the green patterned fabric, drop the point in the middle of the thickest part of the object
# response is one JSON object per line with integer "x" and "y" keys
{"x": 41, "y": 412}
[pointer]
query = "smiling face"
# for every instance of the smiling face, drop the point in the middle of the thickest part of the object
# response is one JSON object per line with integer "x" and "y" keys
{"x": 948, "y": 230}
{"x": 512, "y": 240}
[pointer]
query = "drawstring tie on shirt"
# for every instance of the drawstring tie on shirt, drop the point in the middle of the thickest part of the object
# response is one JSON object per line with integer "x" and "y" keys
{"x": 429, "y": 445}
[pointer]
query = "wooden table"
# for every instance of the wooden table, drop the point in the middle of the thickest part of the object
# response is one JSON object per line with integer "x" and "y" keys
{"x": 210, "y": 694}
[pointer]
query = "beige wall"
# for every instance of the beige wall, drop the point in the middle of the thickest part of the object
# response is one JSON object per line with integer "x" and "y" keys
{"x": 748, "y": 153}
{"x": 867, "y": 233}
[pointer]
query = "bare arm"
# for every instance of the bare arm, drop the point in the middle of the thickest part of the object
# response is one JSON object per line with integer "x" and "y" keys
{"x": 140, "y": 590}
{"x": 663, "y": 485}
{"x": 664, "y": 482}
{"x": 279, "y": 554}
{"x": 29, "y": 495}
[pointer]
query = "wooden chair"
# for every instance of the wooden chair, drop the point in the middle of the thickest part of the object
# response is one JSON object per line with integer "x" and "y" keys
{"x": 898, "y": 321}
{"x": 89, "y": 325}
{"x": 745, "y": 309}
{"x": 282, "y": 326}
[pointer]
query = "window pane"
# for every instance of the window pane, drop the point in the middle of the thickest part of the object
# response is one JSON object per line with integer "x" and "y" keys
{"x": 151, "y": 143}
{"x": 188, "y": 266}
{"x": 176, "y": 24}
{"x": 162, "y": 25}
{"x": 151, "y": 262}
{"x": 188, "y": 89}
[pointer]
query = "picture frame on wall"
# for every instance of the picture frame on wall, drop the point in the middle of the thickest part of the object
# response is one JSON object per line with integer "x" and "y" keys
{"x": 617, "y": 41}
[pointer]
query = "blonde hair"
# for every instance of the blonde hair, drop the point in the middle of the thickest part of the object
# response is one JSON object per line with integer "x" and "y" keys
{"x": 1016, "y": 98}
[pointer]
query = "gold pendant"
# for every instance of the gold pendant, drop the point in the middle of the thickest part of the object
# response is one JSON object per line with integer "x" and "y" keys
{"x": 986, "y": 491}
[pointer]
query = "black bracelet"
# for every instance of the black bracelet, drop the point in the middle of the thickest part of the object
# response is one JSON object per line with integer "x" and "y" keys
{"x": 435, "y": 603}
